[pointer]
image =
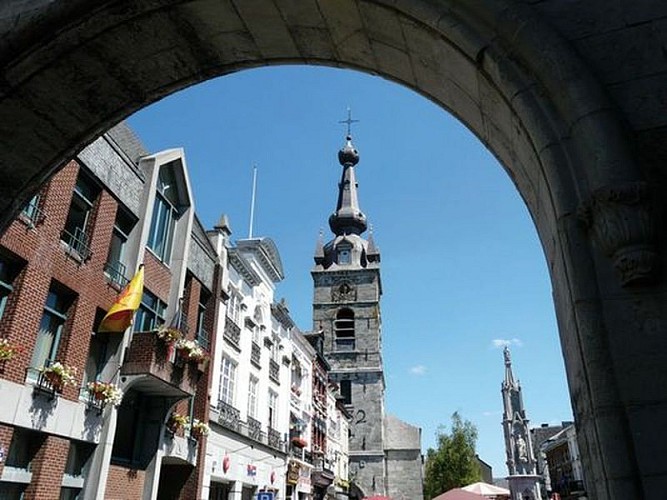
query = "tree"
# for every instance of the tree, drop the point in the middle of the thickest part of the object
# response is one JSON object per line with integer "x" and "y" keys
{"x": 454, "y": 463}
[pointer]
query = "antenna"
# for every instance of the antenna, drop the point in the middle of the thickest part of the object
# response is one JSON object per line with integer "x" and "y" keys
{"x": 252, "y": 199}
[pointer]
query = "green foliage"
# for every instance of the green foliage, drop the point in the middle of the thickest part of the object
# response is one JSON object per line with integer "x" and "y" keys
{"x": 453, "y": 464}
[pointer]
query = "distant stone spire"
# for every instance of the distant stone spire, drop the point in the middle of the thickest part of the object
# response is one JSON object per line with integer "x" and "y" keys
{"x": 348, "y": 218}
{"x": 372, "y": 251}
{"x": 521, "y": 463}
{"x": 319, "y": 248}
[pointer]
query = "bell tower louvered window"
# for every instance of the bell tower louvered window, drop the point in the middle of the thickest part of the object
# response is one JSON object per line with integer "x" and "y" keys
{"x": 344, "y": 330}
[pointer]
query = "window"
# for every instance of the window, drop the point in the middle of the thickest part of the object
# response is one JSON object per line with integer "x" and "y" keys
{"x": 256, "y": 332}
{"x": 23, "y": 448}
{"x": 32, "y": 212}
{"x": 78, "y": 457}
{"x": 8, "y": 271}
{"x": 76, "y": 233}
{"x": 165, "y": 214}
{"x": 227, "y": 380}
{"x": 51, "y": 327}
{"x": 344, "y": 330}
{"x": 202, "y": 333}
{"x": 103, "y": 346}
{"x": 273, "y": 409}
{"x": 234, "y": 307}
{"x": 115, "y": 268}
{"x": 344, "y": 254}
{"x": 346, "y": 391}
{"x": 151, "y": 313}
{"x": 252, "y": 396}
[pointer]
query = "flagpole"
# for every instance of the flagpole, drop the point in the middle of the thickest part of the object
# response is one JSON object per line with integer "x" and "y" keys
{"x": 252, "y": 199}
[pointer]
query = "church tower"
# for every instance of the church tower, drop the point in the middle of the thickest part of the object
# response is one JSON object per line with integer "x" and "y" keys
{"x": 346, "y": 311}
{"x": 521, "y": 463}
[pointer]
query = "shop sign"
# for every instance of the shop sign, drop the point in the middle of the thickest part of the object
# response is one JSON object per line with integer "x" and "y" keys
{"x": 293, "y": 473}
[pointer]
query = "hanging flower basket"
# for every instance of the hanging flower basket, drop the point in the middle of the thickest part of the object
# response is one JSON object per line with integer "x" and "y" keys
{"x": 299, "y": 442}
{"x": 59, "y": 375}
{"x": 8, "y": 350}
{"x": 106, "y": 392}
{"x": 189, "y": 350}
{"x": 177, "y": 422}
{"x": 199, "y": 429}
{"x": 168, "y": 335}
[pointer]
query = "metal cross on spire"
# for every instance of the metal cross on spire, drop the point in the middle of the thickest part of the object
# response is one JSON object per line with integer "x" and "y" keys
{"x": 349, "y": 121}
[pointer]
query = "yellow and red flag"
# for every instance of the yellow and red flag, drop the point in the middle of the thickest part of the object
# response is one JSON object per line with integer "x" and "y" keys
{"x": 121, "y": 313}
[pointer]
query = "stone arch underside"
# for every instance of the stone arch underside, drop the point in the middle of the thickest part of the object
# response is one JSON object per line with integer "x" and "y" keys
{"x": 70, "y": 72}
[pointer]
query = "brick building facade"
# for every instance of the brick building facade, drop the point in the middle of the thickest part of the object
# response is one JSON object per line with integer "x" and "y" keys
{"x": 63, "y": 262}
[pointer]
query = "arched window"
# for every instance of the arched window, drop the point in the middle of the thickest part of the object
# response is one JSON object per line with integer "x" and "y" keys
{"x": 344, "y": 330}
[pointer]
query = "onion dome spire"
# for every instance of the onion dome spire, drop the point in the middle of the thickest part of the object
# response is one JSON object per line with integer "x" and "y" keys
{"x": 348, "y": 218}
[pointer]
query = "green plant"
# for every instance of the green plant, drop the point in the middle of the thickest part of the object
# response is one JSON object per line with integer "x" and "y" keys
{"x": 168, "y": 334}
{"x": 59, "y": 375}
{"x": 106, "y": 391}
{"x": 201, "y": 428}
{"x": 8, "y": 350}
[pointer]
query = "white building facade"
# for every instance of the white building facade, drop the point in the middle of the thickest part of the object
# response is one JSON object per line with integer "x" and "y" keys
{"x": 250, "y": 388}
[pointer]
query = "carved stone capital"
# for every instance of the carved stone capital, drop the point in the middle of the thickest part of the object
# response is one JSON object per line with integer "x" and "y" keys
{"x": 620, "y": 223}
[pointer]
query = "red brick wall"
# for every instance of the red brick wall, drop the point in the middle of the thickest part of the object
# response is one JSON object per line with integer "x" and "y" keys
{"x": 47, "y": 469}
{"x": 157, "y": 276}
{"x": 124, "y": 484}
{"x": 46, "y": 260}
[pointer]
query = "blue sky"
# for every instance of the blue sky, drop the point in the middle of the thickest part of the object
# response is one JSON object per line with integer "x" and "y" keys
{"x": 462, "y": 268}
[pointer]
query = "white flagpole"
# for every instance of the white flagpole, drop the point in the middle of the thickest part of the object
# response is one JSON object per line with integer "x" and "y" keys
{"x": 252, "y": 199}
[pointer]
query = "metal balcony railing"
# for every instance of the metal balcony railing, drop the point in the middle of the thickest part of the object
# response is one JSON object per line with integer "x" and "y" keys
{"x": 255, "y": 429}
{"x": 232, "y": 333}
{"x": 116, "y": 273}
{"x": 274, "y": 440}
{"x": 256, "y": 355}
{"x": 78, "y": 244}
{"x": 31, "y": 213}
{"x": 274, "y": 371}
{"x": 229, "y": 416}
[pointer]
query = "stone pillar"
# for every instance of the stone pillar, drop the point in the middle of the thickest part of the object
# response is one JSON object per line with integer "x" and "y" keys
{"x": 152, "y": 478}
{"x": 236, "y": 491}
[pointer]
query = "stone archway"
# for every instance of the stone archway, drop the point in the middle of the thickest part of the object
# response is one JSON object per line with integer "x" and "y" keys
{"x": 71, "y": 71}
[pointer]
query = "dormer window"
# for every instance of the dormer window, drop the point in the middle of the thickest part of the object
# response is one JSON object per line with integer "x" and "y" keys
{"x": 344, "y": 254}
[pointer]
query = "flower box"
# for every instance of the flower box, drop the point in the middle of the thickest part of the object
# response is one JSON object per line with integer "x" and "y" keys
{"x": 59, "y": 375}
{"x": 8, "y": 350}
{"x": 105, "y": 392}
{"x": 299, "y": 442}
{"x": 199, "y": 429}
{"x": 176, "y": 422}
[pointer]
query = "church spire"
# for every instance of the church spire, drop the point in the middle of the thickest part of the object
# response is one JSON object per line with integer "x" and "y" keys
{"x": 521, "y": 463}
{"x": 348, "y": 218}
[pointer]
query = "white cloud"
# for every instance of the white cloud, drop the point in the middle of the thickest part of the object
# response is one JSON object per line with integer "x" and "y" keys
{"x": 498, "y": 343}
{"x": 418, "y": 370}
{"x": 492, "y": 413}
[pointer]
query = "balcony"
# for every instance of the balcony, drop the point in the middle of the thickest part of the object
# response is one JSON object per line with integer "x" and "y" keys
{"x": 274, "y": 440}
{"x": 256, "y": 355}
{"x": 232, "y": 333}
{"x": 32, "y": 214}
{"x": 77, "y": 244}
{"x": 116, "y": 273}
{"x": 147, "y": 360}
{"x": 228, "y": 416}
{"x": 322, "y": 474}
{"x": 255, "y": 430}
{"x": 274, "y": 371}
